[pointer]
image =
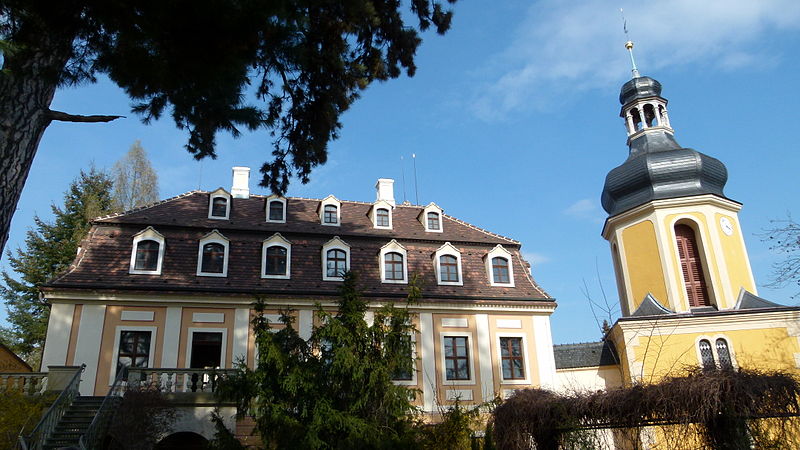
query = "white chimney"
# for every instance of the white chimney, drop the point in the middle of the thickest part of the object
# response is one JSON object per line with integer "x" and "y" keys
{"x": 241, "y": 182}
{"x": 385, "y": 190}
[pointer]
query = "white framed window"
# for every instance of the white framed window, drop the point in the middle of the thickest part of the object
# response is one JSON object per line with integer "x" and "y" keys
{"x": 409, "y": 379}
{"x": 457, "y": 358}
{"x": 393, "y": 263}
{"x": 381, "y": 215}
{"x": 335, "y": 259}
{"x": 135, "y": 347}
{"x": 447, "y": 263}
{"x": 212, "y": 255}
{"x": 147, "y": 253}
{"x": 205, "y": 347}
{"x": 499, "y": 267}
{"x": 330, "y": 211}
{"x": 276, "y": 257}
{"x": 219, "y": 205}
{"x": 431, "y": 218}
{"x": 276, "y": 209}
{"x": 715, "y": 352}
{"x": 512, "y": 356}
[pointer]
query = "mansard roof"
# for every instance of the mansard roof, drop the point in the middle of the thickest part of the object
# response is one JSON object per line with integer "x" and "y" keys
{"x": 585, "y": 354}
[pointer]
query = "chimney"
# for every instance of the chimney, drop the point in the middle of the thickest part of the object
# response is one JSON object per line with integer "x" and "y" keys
{"x": 241, "y": 182}
{"x": 385, "y": 190}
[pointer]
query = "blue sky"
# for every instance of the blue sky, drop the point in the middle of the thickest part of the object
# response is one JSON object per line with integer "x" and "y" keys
{"x": 513, "y": 116}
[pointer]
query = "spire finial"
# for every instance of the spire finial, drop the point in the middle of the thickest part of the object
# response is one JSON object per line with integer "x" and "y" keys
{"x": 629, "y": 45}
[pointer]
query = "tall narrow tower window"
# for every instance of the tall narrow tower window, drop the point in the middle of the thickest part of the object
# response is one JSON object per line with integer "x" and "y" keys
{"x": 692, "y": 266}
{"x": 724, "y": 354}
{"x": 706, "y": 355}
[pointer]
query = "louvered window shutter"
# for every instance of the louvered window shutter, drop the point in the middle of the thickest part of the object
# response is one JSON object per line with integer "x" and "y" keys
{"x": 693, "y": 276}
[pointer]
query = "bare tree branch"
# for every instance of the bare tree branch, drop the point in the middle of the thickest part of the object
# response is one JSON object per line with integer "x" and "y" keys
{"x": 66, "y": 117}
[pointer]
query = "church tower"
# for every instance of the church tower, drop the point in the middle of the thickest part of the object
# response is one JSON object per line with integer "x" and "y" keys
{"x": 675, "y": 237}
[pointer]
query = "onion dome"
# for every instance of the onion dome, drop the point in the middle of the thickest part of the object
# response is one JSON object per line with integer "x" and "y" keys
{"x": 639, "y": 87}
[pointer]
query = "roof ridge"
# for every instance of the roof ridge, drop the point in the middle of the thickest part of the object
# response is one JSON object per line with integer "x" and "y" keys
{"x": 580, "y": 343}
{"x": 467, "y": 224}
{"x": 149, "y": 205}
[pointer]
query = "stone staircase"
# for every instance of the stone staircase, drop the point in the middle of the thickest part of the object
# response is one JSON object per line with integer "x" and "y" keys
{"x": 74, "y": 422}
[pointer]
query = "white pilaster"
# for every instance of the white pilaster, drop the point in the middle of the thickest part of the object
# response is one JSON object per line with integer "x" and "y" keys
{"x": 172, "y": 334}
{"x": 87, "y": 349}
{"x": 241, "y": 324}
{"x": 306, "y": 323}
{"x": 545, "y": 360}
{"x": 428, "y": 362}
{"x": 59, "y": 327}
{"x": 485, "y": 356}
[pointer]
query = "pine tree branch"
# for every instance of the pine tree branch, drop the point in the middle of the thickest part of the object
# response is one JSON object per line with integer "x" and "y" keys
{"x": 65, "y": 117}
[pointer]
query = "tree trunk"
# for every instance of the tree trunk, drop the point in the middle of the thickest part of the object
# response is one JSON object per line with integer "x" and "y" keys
{"x": 26, "y": 92}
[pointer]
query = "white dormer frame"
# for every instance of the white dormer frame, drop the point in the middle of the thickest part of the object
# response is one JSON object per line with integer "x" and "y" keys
{"x": 276, "y": 240}
{"x": 219, "y": 193}
{"x": 448, "y": 249}
{"x": 275, "y": 198}
{"x": 393, "y": 247}
{"x": 423, "y": 217}
{"x": 499, "y": 251}
{"x": 330, "y": 200}
{"x": 373, "y": 214}
{"x": 148, "y": 234}
{"x": 214, "y": 237}
{"x": 335, "y": 243}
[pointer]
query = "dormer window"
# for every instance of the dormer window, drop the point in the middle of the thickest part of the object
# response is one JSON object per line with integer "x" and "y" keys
{"x": 431, "y": 218}
{"x": 499, "y": 269}
{"x": 276, "y": 257}
{"x": 212, "y": 256}
{"x": 335, "y": 259}
{"x": 381, "y": 215}
{"x": 393, "y": 263}
{"x": 330, "y": 211}
{"x": 276, "y": 209}
{"x": 219, "y": 205}
{"x": 147, "y": 253}
{"x": 447, "y": 262}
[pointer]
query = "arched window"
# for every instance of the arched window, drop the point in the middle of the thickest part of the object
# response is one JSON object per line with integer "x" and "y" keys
{"x": 219, "y": 207}
{"x": 500, "y": 272}
{"x": 638, "y": 124}
{"x": 213, "y": 258}
{"x": 336, "y": 263}
{"x": 650, "y": 115}
{"x": 330, "y": 215}
{"x": 276, "y": 211}
{"x": 433, "y": 221}
{"x": 692, "y": 266}
{"x": 448, "y": 268}
{"x": 393, "y": 266}
{"x": 382, "y": 217}
{"x": 724, "y": 355}
{"x": 275, "y": 263}
{"x": 147, "y": 255}
{"x": 706, "y": 355}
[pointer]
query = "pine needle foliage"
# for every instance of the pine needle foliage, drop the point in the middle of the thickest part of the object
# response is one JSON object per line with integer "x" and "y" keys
{"x": 335, "y": 389}
{"x": 50, "y": 247}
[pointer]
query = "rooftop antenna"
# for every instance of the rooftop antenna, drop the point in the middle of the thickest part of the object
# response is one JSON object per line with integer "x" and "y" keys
{"x": 629, "y": 45}
{"x": 416, "y": 190}
{"x": 403, "y": 170}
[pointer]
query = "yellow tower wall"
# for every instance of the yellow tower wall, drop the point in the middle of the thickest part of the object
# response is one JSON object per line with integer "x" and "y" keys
{"x": 642, "y": 253}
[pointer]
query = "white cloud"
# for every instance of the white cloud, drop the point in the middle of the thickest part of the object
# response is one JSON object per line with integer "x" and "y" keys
{"x": 585, "y": 209}
{"x": 535, "y": 258}
{"x": 563, "y": 47}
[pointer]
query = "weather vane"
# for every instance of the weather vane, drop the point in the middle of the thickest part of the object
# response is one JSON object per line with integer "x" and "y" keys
{"x": 629, "y": 45}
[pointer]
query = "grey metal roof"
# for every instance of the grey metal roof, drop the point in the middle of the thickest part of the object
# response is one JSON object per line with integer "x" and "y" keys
{"x": 651, "y": 307}
{"x": 585, "y": 354}
{"x": 639, "y": 87}
{"x": 748, "y": 300}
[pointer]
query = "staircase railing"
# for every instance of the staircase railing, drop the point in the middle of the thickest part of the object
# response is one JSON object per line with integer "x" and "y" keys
{"x": 36, "y": 439}
{"x": 93, "y": 436}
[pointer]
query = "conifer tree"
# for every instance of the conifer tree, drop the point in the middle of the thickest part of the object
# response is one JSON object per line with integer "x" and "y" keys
{"x": 50, "y": 247}
{"x": 334, "y": 390}
{"x": 135, "y": 181}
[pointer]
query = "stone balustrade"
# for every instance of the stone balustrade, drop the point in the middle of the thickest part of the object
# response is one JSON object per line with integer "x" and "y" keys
{"x": 26, "y": 382}
{"x": 178, "y": 380}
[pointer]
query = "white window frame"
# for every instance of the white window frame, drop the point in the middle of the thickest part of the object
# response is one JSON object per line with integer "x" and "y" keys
{"x": 223, "y": 351}
{"x": 214, "y": 237}
{"x": 148, "y": 234}
{"x": 335, "y": 243}
{"x": 393, "y": 247}
{"x": 373, "y": 214}
{"x": 713, "y": 341}
{"x": 470, "y": 356}
{"x": 413, "y": 380}
{"x": 448, "y": 249}
{"x": 118, "y": 334}
{"x": 423, "y": 217}
{"x": 219, "y": 193}
{"x": 500, "y": 252}
{"x": 276, "y": 240}
{"x": 330, "y": 200}
{"x": 275, "y": 198}
{"x": 525, "y": 359}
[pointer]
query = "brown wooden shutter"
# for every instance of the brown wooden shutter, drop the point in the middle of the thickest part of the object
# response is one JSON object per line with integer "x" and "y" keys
{"x": 692, "y": 266}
